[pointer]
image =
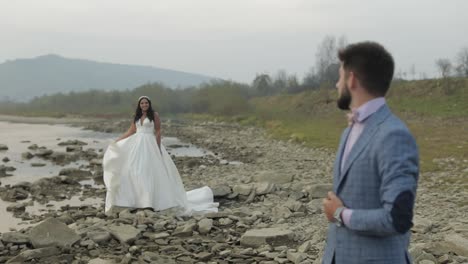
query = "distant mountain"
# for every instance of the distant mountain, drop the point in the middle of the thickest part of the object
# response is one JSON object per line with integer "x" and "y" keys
{"x": 22, "y": 79}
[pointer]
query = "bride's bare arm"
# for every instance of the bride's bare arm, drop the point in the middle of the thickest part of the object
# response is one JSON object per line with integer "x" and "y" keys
{"x": 131, "y": 130}
{"x": 157, "y": 129}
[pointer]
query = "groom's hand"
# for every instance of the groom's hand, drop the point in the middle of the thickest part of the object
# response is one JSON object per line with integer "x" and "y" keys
{"x": 330, "y": 204}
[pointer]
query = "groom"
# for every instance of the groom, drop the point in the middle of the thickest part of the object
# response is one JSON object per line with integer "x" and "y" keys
{"x": 370, "y": 209}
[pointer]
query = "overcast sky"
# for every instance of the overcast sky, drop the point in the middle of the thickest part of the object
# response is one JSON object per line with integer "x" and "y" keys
{"x": 230, "y": 39}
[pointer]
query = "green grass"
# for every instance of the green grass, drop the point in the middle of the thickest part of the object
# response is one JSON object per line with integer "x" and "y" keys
{"x": 437, "y": 117}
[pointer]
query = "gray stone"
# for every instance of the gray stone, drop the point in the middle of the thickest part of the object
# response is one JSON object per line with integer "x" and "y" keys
{"x": 242, "y": 189}
{"x": 265, "y": 188}
{"x": 318, "y": 190}
{"x": 457, "y": 244}
{"x": 36, "y": 164}
{"x": 152, "y": 257}
{"x": 272, "y": 236}
{"x": 27, "y": 155}
{"x": 72, "y": 143}
{"x": 44, "y": 153}
{"x": 295, "y": 206}
{"x": 52, "y": 232}
{"x": 3, "y": 147}
{"x": 205, "y": 225}
{"x": 273, "y": 177}
{"x": 99, "y": 236}
{"x": 185, "y": 231}
{"x": 426, "y": 261}
{"x": 295, "y": 257}
{"x": 15, "y": 238}
{"x": 73, "y": 148}
{"x": 305, "y": 247}
{"x": 16, "y": 207}
{"x": 102, "y": 261}
{"x": 225, "y": 221}
{"x": 421, "y": 225}
{"x": 124, "y": 233}
{"x": 204, "y": 256}
{"x": 13, "y": 195}
{"x": 221, "y": 191}
{"x": 34, "y": 254}
{"x": 73, "y": 172}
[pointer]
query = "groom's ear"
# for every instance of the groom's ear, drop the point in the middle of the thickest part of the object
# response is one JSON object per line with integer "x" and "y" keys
{"x": 352, "y": 81}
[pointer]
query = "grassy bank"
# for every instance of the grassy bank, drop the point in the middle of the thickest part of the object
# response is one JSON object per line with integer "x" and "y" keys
{"x": 437, "y": 117}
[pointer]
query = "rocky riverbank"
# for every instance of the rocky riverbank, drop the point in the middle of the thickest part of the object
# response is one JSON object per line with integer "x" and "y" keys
{"x": 270, "y": 207}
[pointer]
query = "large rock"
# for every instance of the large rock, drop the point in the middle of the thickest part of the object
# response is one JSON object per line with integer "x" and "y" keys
{"x": 13, "y": 195}
{"x": 52, "y": 232}
{"x": 457, "y": 244}
{"x": 264, "y": 188}
{"x": 73, "y": 172}
{"x": 99, "y": 236}
{"x": 205, "y": 225}
{"x": 185, "y": 230}
{"x": 27, "y": 155}
{"x": 62, "y": 157}
{"x": 72, "y": 142}
{"x": 15, "y": 238}
{"x": 34, "y": 254}
{"x": 44, "y": 153}
{"x": 318, "y": 190}
{"x": 273, "y": 177}
{"x": 221, "y": 191}
{"x": 296, "y": 257}
{"x": 102, "y": 261}
{"x": 242, "y": 189}
{"x": 3, "y": 147}
{"x": 124, "y": 233}
{"x": 421, "y": 225}
{"x": 271, "y": 236}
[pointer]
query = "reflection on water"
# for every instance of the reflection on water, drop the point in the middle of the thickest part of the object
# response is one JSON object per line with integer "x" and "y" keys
{"x": 19, "y": 136}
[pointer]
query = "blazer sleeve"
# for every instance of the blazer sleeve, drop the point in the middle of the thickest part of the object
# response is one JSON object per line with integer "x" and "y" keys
{"x": 398, "y": 168}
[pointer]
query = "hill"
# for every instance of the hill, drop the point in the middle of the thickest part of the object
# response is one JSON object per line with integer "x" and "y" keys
{"x": 22, "y": 79}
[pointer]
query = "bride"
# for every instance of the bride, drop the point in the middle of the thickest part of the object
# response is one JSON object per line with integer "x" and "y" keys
{"x": 139, "y": 173}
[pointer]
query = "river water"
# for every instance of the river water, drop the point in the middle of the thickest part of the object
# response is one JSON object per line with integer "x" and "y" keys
{"x": 18, "y": 137}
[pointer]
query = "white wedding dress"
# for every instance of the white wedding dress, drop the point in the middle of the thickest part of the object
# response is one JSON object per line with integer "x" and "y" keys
{"x": 138, "y": 175}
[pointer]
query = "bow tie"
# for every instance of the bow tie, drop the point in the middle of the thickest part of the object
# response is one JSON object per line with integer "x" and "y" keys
{"x": 353, "y": 117}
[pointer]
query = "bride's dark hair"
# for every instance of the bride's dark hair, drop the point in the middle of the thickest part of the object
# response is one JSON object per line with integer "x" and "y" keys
{"x": 139, "y": 113}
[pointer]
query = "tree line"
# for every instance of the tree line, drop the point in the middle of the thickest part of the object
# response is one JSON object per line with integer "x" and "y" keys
{"x": 217, "y": 97}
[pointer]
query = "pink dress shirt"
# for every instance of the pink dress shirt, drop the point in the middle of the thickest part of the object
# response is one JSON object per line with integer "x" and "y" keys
{"x": 360, "y": 116}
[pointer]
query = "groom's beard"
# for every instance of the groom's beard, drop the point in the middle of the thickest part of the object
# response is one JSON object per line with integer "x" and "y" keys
{"x": 344, "y": 101}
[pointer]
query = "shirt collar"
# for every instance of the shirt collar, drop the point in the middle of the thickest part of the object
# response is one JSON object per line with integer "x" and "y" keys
{"x": 367, "y": 109}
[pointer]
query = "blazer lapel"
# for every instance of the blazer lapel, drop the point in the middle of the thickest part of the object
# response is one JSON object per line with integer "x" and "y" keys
{"x": 370, "y": 128}
{"x": 339, "y": 157}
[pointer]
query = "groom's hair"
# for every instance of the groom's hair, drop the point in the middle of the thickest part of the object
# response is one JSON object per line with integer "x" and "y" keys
{"x": 372, "y": 65}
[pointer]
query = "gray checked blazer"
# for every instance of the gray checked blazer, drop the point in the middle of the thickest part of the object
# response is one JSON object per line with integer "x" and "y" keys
{"x": 378, "y": 182}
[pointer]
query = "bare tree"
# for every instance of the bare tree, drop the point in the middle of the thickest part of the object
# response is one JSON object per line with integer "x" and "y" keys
{"x": 293, "y": 84}
{"x": 462, "y": 60}
{"x": 413, "y": 71}
{"x": 262, "y": 83}
{"x": 445, "y": 69}
{"x": 280, "y": 81}
{"x": 327, "y": 63}
{"x": 311, "y": 79}
{"x": 444, "y": 66}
